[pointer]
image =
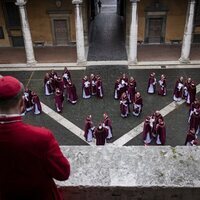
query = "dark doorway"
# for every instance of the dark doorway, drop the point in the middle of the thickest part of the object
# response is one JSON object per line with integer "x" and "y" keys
{"x": 155, "y": 30}
{"x": 107, "y": 32}
{"x": 13, "y": 23}
{"x": 60, "y": 28}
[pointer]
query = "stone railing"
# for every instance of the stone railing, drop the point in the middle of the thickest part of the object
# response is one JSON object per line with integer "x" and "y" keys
{"x": 132, "y": 173}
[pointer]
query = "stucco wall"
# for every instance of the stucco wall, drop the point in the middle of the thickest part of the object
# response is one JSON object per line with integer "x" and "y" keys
{"x": 40, "y": 22}
{"x": 41, "y": 29}
{"x": 176, "y": 18}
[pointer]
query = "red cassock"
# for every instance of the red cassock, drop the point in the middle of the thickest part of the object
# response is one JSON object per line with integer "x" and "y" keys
{"x": 151, "y": 85}
{"x": 162, "y": 90}
{"x": 93, "y": 85}
{"x": 131, "y": 90}
{"x": 146, "y": 131}
{"x": 30, "y": 158}
{"x": 28, "y": 100}
{"x": 186, "y": 89}
{"x": 161, "y": 133}
{"x": 71, "y": 93}
{"x": 117, "y": 90}
{"x": 86, "y": 88}
{"x": 53, "y": 76}
{"x": 60, "y": 85}
{"x": 124, "y": 84}
{"x": 47, "y": 86}
{"x": 37, "y": 108}
{"x": 107, "y": 122}
{"x": 99, "y": 89}
{"x": 59, "y": 101}
{"x": 138, "y": 104}
{"x": 88, "y": 130}
{"x": 108, "y": 125}
{"x": 178, "y": 90}
{"x": 194, "y": 106}
{"x": 101, "y": 135}
{"x": 156, "y": 118}
{"x": 195, "y": 121}
{"x": 124, "y": 107}
{"x": 190, "y": 139}
{"x": 66, "y": 77}
{"x": 192, "y": 94}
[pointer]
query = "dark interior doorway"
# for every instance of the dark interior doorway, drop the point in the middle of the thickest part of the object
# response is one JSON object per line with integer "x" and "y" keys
{"x": 107, "y": 31}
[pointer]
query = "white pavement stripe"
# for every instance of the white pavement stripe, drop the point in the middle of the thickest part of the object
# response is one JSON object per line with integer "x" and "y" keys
{"x": 138, "y": 129}
{"x": 65, "y": 123}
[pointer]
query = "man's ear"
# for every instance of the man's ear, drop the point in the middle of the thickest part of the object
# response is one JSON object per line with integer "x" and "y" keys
{"x": 21, "y": 104}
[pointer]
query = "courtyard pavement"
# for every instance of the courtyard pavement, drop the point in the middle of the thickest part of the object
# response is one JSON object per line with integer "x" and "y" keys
{"x": 176, "y": 121}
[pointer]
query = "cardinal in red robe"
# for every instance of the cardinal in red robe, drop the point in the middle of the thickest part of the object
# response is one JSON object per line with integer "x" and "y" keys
{"x": 101, "y": 133}
{"x": 71, "y": 93}
{"x": 160, "y": 132}
{"x": 58, "y": 100}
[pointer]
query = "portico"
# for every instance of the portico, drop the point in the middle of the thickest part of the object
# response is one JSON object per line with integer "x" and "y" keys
{"x": 69, "y": 23}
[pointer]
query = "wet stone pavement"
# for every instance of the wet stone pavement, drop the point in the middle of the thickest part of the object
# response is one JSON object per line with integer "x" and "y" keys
{"x": 176, "y": 121}
{"x": 107, "y": 40}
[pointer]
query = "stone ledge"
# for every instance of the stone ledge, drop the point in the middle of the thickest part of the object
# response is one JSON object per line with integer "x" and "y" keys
{"x": 133, "y": 166}
{"x": 138, "y": 172}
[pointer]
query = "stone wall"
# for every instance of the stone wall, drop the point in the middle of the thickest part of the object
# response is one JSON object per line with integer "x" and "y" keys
{"x": 132, "y": 173}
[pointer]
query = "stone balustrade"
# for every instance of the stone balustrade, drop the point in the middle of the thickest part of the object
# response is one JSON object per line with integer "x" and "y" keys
{"x": 132, "y": 173}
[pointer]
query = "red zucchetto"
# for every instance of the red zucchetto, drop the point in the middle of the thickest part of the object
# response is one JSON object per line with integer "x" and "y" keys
{"x": 9, "y": 87}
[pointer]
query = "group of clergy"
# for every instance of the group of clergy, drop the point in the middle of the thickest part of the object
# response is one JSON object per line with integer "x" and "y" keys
{"x": 154, "y": 129}
{"x": 101, "y": 133}
{"x": 31, "y": 102}
{"x": 125, "y": 91}
{"x": 92, "y": 86}
{"x": 185, "y": 90}
{"x": 160, "y": 86}
{"x": 194, "y": 124}
{"x": 61, "y": 86}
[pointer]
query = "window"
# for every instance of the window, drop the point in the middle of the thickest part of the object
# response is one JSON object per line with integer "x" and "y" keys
{"x": 12, "y": 15}
{"x": 197, "y": 13}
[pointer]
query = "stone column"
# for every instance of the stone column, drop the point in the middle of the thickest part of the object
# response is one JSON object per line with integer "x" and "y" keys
{"x": 26, "y": 32}
{"x": 80, "y": 46}
{"x": 133, "y": 33}
{"x": 187, "y": 38}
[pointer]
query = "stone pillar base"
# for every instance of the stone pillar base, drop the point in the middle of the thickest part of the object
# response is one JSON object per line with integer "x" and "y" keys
{"x": 81, "y": 62}
{"x": 184, "y": 60}
{"x": 31, "y": 63}
{"x": 132, "y": 62}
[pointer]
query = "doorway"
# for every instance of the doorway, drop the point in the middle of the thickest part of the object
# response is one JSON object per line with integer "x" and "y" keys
{"x": 60, "y": 32}
{"x": 60, "y": 25}
{"x": 155, "y": 30}
{"x": 107, "y": 31}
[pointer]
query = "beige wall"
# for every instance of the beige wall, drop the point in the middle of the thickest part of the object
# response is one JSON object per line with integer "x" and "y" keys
{"x": 3, "y": 42}
{"x": 176, "y": 19}
{"x": 175, "y": 23}
{"x": 41, "y": 29}
{"x": 40, "y": 22}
